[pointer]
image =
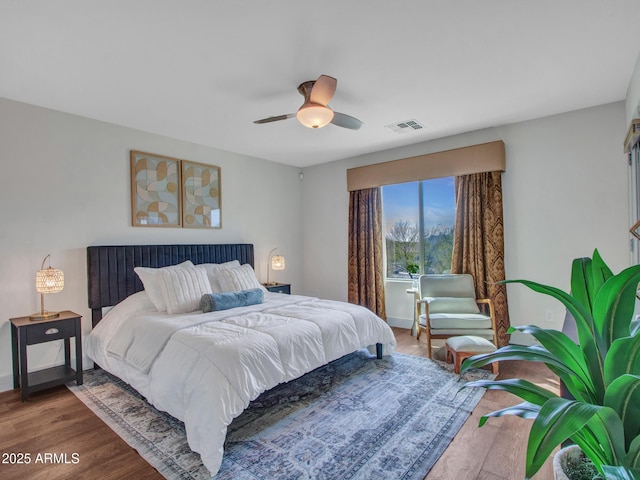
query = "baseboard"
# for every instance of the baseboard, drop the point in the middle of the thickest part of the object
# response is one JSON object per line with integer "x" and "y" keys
{"x": 6, "y": 383}
{"x": 400, "y": 322}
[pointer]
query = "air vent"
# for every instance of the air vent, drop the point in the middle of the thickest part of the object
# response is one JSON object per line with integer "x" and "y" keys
{"x": 406, "y": 126}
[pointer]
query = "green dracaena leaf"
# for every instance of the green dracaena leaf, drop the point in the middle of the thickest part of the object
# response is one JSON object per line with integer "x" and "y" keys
{"x": 608, "y": 432}
{"x": 600, "y": 271}
{"x": 614, "y": 306}
{"x": 582, "y": 288}
{"x": 602, "y": 438}
{"x": 575, "y": 383}
{"x": 557, "y": 421}
{"x": 580, "y": 313}
{"x": 584, "y": 327}
{"x": 522, "y": 410}
{"x": 565, "y": 349}
{"x": 620, "y": 473}
{"x": 623, "y": 358}
{"x": 524, "y": 389}
{"x": 632, "y": 458}
{"x": 623, "y": 396}
{"x": 587, "y": 442}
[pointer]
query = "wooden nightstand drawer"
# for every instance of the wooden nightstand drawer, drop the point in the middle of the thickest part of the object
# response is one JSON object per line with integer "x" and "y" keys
{"x": 46, "y": 332}
{"x": 279, "y": 288}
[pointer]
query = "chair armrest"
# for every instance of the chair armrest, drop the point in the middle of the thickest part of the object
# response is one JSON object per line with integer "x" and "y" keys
{"x": 420, "y": 302}
{"x": 488, "y": 301}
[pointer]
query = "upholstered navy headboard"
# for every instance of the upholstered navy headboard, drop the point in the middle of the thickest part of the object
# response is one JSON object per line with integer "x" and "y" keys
{"x": 110, "y": 272}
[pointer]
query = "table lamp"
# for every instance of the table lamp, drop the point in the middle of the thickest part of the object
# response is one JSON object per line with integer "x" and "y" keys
{"x": 49, "y": 280}
{"x": 275, "y": 262}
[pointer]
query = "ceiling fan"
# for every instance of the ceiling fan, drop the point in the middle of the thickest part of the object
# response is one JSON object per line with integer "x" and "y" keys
{"x": 315, "y": 111}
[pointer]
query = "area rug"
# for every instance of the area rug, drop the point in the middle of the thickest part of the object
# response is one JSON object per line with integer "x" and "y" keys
{"x": 356, "y": 418}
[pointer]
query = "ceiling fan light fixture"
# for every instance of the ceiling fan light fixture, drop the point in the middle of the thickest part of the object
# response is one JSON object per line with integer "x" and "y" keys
{"x": 315, "y": 111}
{"x": 314, "y": 115}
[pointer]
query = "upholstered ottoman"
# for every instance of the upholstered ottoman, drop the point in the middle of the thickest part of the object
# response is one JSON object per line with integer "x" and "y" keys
{"x": 459, "y": 348}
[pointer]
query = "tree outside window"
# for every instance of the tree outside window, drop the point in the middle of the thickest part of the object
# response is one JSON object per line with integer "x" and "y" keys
{"x": 403, "y": 248}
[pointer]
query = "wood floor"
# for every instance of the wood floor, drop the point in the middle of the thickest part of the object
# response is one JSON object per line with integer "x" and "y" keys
{"x": 56, "y": 422}
{"x": 497, "y": 451}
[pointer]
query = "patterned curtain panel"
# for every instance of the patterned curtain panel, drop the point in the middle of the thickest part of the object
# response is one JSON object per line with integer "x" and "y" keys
{"x": 366, "y": 278}
{"x": 478, "y": 240}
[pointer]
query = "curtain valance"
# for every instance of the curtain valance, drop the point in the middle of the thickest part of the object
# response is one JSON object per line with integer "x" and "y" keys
{"x": 486, "y": 157}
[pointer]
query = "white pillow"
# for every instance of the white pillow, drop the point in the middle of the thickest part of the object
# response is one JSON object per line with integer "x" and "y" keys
{"x": 239, "y": 278}
{"x": 214, "y": 271}
{"x": 150, "y": 278}
{"x": 182, "y": 288}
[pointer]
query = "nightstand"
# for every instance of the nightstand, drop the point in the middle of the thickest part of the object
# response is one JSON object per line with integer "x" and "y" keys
{"x": 278, "y": 287}
{"x": 30, "y": 332}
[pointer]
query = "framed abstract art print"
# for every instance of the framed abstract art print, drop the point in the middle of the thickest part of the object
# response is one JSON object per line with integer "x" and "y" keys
{"x": 201, "y": 196}
{"x": 155, "y": 190}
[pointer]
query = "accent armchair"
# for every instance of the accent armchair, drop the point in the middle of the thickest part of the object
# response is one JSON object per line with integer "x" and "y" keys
{"x": 447, "y": 307}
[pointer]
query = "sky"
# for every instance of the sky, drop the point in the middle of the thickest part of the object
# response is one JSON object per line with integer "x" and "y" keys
{"x": 400, "y": 202}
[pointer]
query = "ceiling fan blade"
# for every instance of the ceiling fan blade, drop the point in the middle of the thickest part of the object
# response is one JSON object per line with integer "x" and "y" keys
{"x": 323, "y": 90}
{"x": 346, "y": 121}
{"x": 275, "y": 119}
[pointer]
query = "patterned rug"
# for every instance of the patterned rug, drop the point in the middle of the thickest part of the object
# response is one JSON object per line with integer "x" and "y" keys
{"x": 355, "y": 418}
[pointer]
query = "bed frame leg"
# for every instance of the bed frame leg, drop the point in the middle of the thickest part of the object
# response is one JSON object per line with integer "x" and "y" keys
{"x": 379, "y": 350}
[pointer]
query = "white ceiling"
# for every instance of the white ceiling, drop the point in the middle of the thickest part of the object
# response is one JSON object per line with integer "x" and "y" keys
{"x": 202, "y": 71}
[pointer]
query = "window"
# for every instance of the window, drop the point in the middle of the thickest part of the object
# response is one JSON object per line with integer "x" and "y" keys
{"x": 418, "y": 221}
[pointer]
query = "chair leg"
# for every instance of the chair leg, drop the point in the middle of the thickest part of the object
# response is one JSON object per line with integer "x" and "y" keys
{"x": 428, "y": 339}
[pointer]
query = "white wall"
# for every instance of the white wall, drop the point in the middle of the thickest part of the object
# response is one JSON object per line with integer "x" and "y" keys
{"x": 65, "y": 184}
{"x": 565, "y": 193}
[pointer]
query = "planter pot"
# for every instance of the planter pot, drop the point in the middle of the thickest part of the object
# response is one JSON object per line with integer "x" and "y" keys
{"x": 560, "y": 459}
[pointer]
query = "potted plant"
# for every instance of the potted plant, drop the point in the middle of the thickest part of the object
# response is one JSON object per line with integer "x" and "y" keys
{"x": 412, "y": 269}
{"x": 601, "y": 372}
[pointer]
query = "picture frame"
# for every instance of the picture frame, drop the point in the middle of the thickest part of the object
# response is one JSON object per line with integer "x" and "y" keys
{"x": 155, "y": 190}
{"x": 201, "y": 195}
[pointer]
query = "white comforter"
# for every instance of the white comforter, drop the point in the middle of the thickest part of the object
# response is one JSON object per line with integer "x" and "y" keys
{"x": 204, "y": 369}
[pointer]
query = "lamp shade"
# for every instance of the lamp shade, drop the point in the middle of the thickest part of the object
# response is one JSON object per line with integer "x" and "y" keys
{"x": 49, "y": 280}
{"x": 314, "y": 115}
{"x": 277, "y": 262}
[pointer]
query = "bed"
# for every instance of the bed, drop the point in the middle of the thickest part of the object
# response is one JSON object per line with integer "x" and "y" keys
{"x": 205, "y": 368}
